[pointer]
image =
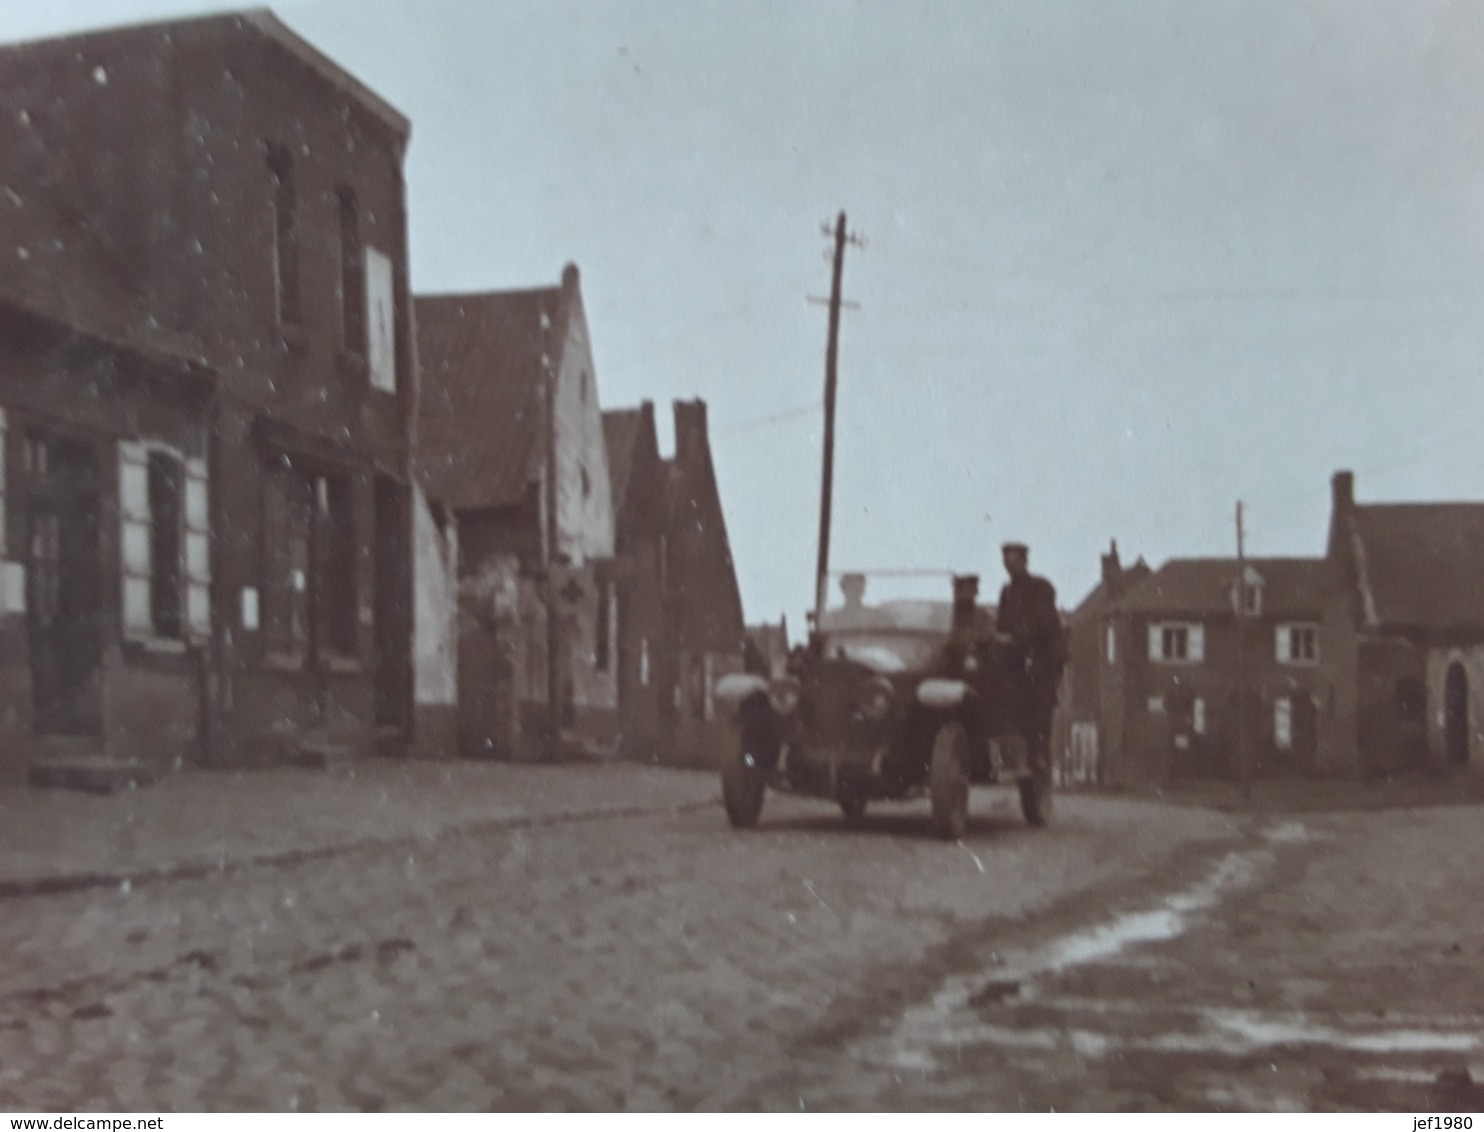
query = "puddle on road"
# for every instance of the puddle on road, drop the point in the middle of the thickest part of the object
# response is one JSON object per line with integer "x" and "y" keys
{"x": 1245, "y": 1031}
{"x": 950, "y": 1020}
{"x": 931, "y": 1025}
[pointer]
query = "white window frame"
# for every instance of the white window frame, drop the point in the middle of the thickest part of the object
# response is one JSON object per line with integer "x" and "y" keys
{"x": 1286, "y": 638}
{"x": 381, "y": 320}
{"x": 136, "y": 540}
{"x": 1163, "y": 633}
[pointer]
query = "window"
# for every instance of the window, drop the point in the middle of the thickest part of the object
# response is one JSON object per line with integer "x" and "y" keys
{"x": 310, "y": 589}
{"x": 1156, "y": 705}
{"x": 1283, "y": 723}
{"x": 1111, "y": 637}
{"x": 334, "y": 590}
{"x": 1198, "y": 715}
{"x": 1297, "y": 644}
{"x": 381, "y": 345}
{"x": 644, "y": 662}
{"x": 602, "y": 653}
{"x": 165, "y": 545}
{"x": 1177, "y": 642}
{"x": 352, "y": 274}
{"x": 165, "y": 507}
{"x": 285, "y": 235}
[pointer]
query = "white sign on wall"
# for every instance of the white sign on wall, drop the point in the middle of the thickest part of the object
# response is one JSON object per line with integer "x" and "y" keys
{"x": 381, "y": 322}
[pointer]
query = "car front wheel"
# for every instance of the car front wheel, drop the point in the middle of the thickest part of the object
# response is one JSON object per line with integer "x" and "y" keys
{"x": 948, "y": 781}
{"x": 1035, "y": 796}
{"x": 742, "y": 788}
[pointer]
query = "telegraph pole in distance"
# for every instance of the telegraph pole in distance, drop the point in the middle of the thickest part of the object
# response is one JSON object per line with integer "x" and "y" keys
{"x": 831, "y": 360}
{"x": 1242, "y": 770}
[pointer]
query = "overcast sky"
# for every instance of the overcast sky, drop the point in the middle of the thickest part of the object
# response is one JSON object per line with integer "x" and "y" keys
{"x": 1127, "y": 263}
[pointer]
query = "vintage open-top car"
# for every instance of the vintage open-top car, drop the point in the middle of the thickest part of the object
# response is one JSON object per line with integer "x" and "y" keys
{"x": 886, "y": 709}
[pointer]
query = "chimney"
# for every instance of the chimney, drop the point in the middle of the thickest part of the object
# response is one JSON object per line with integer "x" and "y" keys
{"x": 646, "y": 414}
{"x": 570, "y": 278}
{"x": 690, "y": 430}
{"x": 1112, "y": 568}
{"x": 1342, "y": 488}
{"x": 965, "y": 602}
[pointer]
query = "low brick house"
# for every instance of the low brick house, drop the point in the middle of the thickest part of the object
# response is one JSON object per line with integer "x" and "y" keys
{"x": 1414, "y": 574}
{"x": 207, "y": 398}
{"x": 1077, "y": 735}
{"x": 1175, "y": 659}
{"x": 646, "y": 667}
{"x": 489, "y": 449}
{"x": 702, "y": 601}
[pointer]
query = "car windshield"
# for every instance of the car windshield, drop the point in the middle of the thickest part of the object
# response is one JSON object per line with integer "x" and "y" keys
{"x": 884, "y": 652}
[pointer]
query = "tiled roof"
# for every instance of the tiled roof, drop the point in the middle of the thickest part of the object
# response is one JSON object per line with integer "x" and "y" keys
{"x": 480, "y": 408}
{"x": 1206, "y": 586}
{"x": 1422, "y": 564}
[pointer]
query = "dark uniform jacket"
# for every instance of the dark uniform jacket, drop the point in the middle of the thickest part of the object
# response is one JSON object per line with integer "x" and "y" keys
{"x": 1027, "y": 612}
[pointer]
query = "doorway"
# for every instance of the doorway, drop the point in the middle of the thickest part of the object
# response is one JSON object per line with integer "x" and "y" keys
{"x": 63, "y": 619}
{"x": 1456, "y": 714}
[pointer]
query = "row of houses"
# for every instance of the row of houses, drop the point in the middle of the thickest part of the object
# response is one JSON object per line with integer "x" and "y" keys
{"x": 257, "y": 500}
{"x": 1365, "y": 661}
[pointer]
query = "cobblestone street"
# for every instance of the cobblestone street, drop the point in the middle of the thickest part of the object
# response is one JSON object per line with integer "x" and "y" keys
{"x": 627, "y": 949}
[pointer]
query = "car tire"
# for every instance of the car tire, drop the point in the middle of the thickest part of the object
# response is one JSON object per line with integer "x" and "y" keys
{"x": 1035, "y": 797}
{"x": 948, "y": 781}
{"x": 743, "y": 785}
{"x": 853, "y": 806}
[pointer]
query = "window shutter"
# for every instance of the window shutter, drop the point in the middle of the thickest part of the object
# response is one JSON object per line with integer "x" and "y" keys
{"x": 1284, "y": 643}
{"x": 1196, "y": 650}
{"x": 134, "y": 519}
{"x": 197, "y": 549}
{"x": 1156, "y": 642}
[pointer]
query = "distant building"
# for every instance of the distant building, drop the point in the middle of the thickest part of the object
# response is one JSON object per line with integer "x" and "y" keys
{"x": 1077, "y": 739}
{"x": 485, "y": 436}
{"x": 204, "y": 332}
{"x": 768, "y": 648}
{"x": 703, "y": 603}
{"x": 1177, "y": 663}
{"x": 1414, "y": 578}
{"x": 1367, "y": 661}
{"x": 646, "y": 666}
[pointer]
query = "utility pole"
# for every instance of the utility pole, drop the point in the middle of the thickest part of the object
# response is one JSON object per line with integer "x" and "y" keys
{"x": 1242, "y": 770}
{"x": 550, "y": 550}
{"x": 831, "y": 358}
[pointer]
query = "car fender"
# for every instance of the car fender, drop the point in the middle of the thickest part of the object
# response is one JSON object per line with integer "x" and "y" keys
{"x": 736, "y": 688}
{"x": 941, "y": 694}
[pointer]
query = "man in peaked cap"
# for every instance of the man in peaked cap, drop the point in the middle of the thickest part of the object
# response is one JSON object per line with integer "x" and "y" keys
{"x": 1030, "y": 628}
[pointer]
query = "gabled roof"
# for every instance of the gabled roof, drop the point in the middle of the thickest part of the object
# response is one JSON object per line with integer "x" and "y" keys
{"x": 1206, "y": 586}
{"x": 1421, "y": 564}
{"x": 262, "y": 21}
{"x": 480, "y": 404}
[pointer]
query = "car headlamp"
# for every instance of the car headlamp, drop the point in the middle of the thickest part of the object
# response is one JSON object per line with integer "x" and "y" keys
{"x": 783, "y": 695}
{"x": 875, "y": 700}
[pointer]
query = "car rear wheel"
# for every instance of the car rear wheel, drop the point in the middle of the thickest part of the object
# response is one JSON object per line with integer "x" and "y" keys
{"x": 742, "y": 788}
{"x": 1035, "y": 796}
{"x": 853, "y": 806}
{"x": 948, "y": 781}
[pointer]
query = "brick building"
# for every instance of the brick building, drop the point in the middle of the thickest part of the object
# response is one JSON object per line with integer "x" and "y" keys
{"x": 646, "y": 667}
{"x": 487, "y": 449}
{"x": 206, "y": 400}
{"x": 703, "y": 603}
